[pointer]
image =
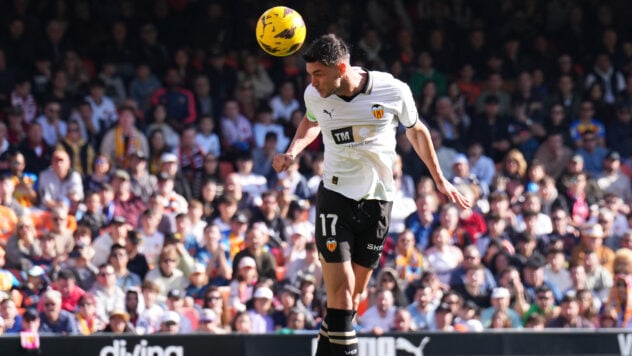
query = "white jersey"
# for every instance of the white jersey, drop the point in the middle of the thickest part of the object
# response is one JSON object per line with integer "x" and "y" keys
{"x": 359, "y": 135}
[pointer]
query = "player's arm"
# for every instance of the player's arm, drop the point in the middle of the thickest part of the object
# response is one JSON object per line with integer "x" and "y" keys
{"x": 419, "y": 137}
{"x": 306, "y": 133}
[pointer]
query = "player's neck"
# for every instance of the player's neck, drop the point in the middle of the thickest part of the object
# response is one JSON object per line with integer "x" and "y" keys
{"x": 353, "y": 82}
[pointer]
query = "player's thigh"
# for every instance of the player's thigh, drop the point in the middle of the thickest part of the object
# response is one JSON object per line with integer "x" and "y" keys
{"x": 334, "y": 236}
{"x": 339, "y": 284}
{"x": 362, "y": 277}
{"x": 368, "y": 245}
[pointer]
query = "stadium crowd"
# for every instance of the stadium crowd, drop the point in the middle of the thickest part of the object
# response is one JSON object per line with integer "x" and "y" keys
{"x": 137, "y": 194}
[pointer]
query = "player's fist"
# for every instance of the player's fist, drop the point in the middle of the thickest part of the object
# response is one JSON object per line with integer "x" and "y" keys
{"x": 281, "y": 161}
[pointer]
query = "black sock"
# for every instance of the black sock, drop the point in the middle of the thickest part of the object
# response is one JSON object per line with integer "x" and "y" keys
{"x": 323, "y": 348}
{"x": 342, "y": 335}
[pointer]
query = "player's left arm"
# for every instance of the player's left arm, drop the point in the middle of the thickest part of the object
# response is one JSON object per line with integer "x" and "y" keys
{"x": 419, "y": 137}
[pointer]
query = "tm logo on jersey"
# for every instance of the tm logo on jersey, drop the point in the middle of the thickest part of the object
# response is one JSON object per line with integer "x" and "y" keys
{"x": 343, "y": 135}
{"x": 359, "y": 133}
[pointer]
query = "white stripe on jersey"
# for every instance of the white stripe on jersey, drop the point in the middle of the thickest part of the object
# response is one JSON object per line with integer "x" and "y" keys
{"x": 359, "y": 135}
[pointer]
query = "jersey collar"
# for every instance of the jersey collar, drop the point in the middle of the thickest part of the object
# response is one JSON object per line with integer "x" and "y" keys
{"x": 368, "y": 87}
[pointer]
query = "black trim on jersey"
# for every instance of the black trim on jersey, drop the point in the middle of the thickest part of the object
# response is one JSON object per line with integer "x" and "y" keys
{"x": 413, "y": 125}
{"x": 368, "y": 86}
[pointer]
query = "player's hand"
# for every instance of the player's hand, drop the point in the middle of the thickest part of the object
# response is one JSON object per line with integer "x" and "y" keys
{"x": 453, "y": 194}
{"x": 281, "y": 161}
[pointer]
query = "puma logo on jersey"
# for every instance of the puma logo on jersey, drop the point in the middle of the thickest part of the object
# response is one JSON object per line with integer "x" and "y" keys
{"x": 343, "y": 135}
{"x": 330, "y": 113}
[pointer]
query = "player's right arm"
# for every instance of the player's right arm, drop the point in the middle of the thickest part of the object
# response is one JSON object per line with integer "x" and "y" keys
{"x": 306, "y": 133}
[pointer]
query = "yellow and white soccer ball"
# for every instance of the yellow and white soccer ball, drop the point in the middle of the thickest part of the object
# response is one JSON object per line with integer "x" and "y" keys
{"x": 281, "y": 31}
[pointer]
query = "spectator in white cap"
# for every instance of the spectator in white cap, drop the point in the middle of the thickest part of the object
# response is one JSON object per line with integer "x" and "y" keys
{"x": 500, "y": 300}
{"x": 260, "y": 315}
{"x": 170, "y": 323}
{"x": 169, "y": 165}
{"x": 463, "y": 175}
{"x": 242, "y": 286}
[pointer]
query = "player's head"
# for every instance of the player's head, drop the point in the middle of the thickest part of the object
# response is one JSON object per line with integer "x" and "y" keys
{"x": 328, "y": 50}
{"x": 327, "y": 60}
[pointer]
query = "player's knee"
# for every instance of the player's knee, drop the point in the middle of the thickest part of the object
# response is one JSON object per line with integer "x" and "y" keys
{"x": 343, "y": 297}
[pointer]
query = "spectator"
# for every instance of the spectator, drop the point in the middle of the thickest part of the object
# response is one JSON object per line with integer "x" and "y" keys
{"x": 423, "y": 221}
{"x": 237, "y": 134}
{"x": 170, "y": 323}
{"x": 87, "y": 319}
{"x": 31, "y": 320}
{"x": 255, "y": 73}
{"x": 242, "y": 323}
{"x": 104, "y": 113}
{"x": 592, "y": 153}
{"x": 206, "y": 137}
{"x": 555, "y": 271}
{"x": 108, "y": 295}
{"x": 592, "y": 240}
{"x": 605, "y": 73}
{"x": 53, "y": 126}
{"x": 587, "y": 122}
{"x": 256, "y": 238}
{"x": 284, "y": 103}
{"x": 209, "y": 323}
{"x": 166, "y": 275}
{"x": 213, "y": 300}
{"x": 472, "y": 259}
{"x": 115, "y": 233}
{"x": 123, "y": 139}
{"x": 169, "y": 166}
{"x": 22, "y": 97}
{"x": 119, "y": 323}
{"x": 598, "y": 279}
{"x": 380, "y": 317}
{"x": 80, "y": 152}
{"x": 188, "y": 317}
{"x": 23, "y": 245}
{"x": 149, "y": 318}
{"x": 422, "y": 309}
{"x": 409, "y": 260}
{"x": 500, "y": 303}
{"x": 473, "y": 288}
{"x": 569, "y": 315}
{"x": 490, "y": 128}
{"x": 143, "y": 184}
{"x": 143, "y": 85}
{"x": 553, "y": 154}
{"x": 37, "y": 153}
{"x": 543, "y": 305}
{"x": 11, "y": 316}
{"x": 260, "y": 315}
{"x": 126, "y": 204}
{"x": 158, "y": 120}
{"x": 619, "y": 132}
{"x": 53, "y": 318}
{"x": 124, "y": 277}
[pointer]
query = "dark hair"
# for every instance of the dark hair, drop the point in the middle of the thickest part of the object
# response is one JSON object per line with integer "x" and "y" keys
{"x": 327, "y": 49}
{"x": 67, "y": 274}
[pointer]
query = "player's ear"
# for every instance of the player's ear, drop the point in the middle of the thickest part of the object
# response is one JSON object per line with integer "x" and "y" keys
{"x": 342, "y": 68}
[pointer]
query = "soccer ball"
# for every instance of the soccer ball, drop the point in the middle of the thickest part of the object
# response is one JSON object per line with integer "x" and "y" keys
{"x": 281, "y": 31}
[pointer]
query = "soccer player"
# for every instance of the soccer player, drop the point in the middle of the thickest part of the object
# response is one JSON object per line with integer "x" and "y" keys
{"x": 358, "y": 112}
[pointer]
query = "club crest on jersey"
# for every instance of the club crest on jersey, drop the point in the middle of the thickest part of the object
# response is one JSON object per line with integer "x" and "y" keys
{"x": 378, "y": 111}
{"x": 331, "y": 244}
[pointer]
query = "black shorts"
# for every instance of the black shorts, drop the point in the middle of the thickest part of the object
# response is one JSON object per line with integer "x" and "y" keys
{"x": 347, "y": 229}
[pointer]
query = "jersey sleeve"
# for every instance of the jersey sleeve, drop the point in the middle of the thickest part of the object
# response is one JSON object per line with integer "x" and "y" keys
{"x": 408, "y": 115}
{"x": 308, "y": 96}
